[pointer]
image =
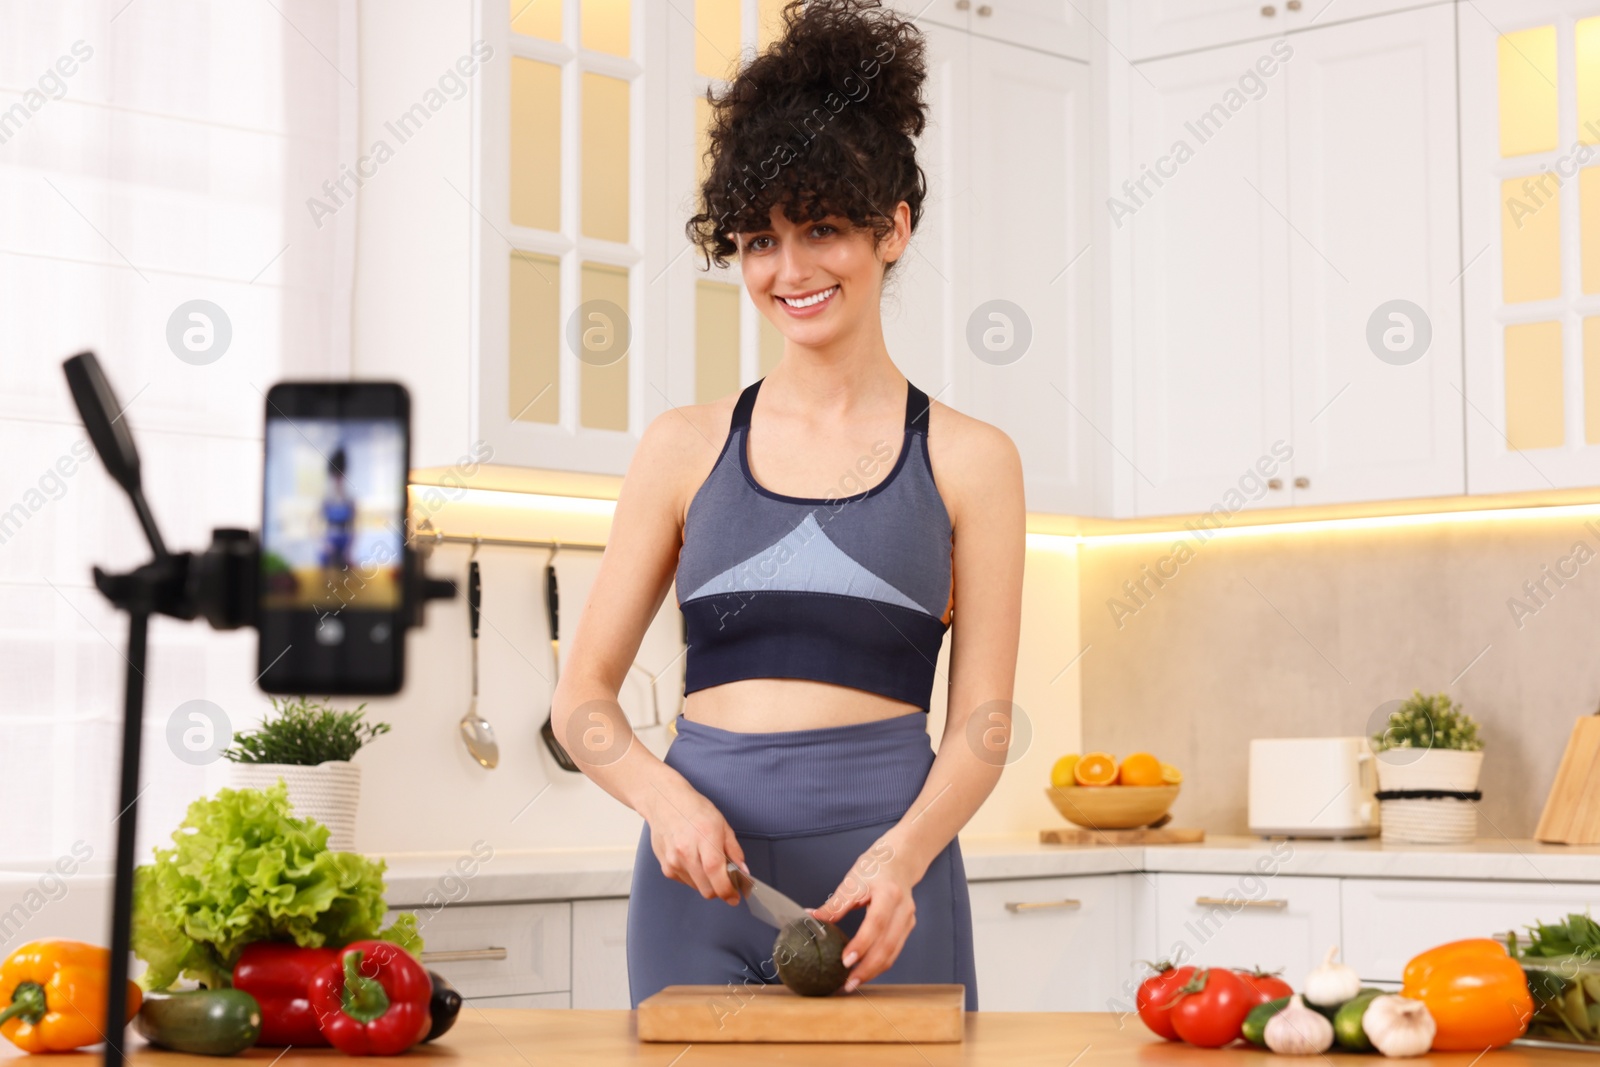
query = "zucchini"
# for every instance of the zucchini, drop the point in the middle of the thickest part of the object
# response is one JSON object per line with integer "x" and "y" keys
{"x": 211, "y": 1022}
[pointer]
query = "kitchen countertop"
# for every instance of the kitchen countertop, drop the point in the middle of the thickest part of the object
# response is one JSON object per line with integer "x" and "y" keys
{"x": 521, "y": 1037}
{"x": 420, "y": 878}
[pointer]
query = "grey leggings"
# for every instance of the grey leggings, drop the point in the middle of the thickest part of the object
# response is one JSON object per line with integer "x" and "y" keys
{"x": 805, "y": 805}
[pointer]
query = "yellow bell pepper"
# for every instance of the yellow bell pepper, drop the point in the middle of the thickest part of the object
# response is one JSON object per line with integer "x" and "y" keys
{"x": 1477, "y": 994}
{"x": 53, "y": 995}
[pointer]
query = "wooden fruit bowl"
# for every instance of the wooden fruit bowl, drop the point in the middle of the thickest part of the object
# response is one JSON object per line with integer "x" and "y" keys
{"x": 1112, "y": 807}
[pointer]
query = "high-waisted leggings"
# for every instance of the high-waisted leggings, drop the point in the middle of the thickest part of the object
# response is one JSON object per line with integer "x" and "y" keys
{"x": 805, "y": 806}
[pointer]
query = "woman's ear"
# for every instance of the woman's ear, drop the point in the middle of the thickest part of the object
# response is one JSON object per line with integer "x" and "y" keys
{"x": 901, "y": 235}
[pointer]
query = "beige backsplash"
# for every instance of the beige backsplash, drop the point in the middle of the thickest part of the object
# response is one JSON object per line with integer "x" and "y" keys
{"x": 1306, "y": 634}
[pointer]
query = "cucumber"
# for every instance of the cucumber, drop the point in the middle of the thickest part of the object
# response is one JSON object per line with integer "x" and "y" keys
{"x": 1347, "y": 1028}
{"x": 211, "y": 1022}
{"x": 1254, "y": 1029}
{"x": 1329, "y": 1011}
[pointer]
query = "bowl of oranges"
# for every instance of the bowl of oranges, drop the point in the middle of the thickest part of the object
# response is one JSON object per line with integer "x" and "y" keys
{"x": 1097, "y": 792}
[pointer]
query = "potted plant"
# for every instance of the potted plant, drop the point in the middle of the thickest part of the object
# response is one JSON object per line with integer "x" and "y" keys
{"x": 1428, "y": 758}
{"x": 309, "y": 745}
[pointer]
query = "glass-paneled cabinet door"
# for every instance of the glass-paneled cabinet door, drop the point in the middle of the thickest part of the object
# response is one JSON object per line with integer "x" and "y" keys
{"x": 718, "y": 341}
{"x": 1530, "y": 157}
{"x": 566, "y": 217}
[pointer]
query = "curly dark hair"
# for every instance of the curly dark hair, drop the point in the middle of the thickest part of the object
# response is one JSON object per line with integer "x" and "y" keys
{"x": 822, "y": 123}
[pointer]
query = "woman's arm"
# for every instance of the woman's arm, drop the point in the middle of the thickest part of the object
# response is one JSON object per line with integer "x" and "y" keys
{"x": 980, "y": 472}
{"x": 635, "y": 573}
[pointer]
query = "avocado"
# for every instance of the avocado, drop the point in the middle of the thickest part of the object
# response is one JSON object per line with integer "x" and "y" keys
{"x": 809, "y": 955}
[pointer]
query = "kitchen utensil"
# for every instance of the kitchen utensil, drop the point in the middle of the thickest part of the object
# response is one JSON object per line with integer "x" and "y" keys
{"x": 552, "y": 604}
{"x": 1063, "y": 835}
{"x": 1112, "y": 807}
{"x": 1571, "y": 813}
{"x": 476, "y": 733}
{"x": 1313, "y": 787}
{"x": 903, "y": 1014}
{"x": 766, "y": 903}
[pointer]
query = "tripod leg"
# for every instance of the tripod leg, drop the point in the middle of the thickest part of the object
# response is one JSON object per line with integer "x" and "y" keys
{"x": 127, "y": 823}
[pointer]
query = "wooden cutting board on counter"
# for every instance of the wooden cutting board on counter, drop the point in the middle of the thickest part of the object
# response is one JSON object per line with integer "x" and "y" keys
{"x": 1572, "y": 810}
{"x": 1072, "y": 835}
{"x": 872, "y": 1012}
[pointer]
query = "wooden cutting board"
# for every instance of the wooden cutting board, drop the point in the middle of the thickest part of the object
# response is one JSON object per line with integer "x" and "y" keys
{"x": 873, "y": 1012}
{"x": 1072, "y": 835}
{"x": 1572, "y": 810}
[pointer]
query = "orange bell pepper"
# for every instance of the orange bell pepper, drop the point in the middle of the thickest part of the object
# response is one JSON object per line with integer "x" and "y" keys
{"x": 1477, "y": 994}
{"x": 53, "y": 993}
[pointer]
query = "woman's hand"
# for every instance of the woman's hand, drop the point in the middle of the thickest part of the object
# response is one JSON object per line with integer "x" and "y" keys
{"x": 882, "y": 880}
{"x": 692, "y": 840}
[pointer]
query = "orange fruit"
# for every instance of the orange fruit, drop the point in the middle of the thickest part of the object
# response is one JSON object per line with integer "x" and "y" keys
{"x": 1170, "y": 775}
{"x": 1141, "y": 768}
{"x": 1061, "y": 772}
{"x": 1095, "y": 768}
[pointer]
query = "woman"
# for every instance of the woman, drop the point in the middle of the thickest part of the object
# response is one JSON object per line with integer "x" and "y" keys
{"x": 821, "y": 525}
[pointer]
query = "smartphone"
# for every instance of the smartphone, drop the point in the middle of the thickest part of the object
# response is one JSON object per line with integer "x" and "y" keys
{"x": 332, "y": 586}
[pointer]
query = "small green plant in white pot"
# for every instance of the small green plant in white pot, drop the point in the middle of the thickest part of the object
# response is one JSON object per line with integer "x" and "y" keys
{"x": 1428, "y": 749}
{"x": 309, "y": 744}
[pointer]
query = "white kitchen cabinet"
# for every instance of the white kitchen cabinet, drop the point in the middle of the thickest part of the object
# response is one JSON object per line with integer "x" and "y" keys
{"x": 561, "y": 999}
{"x": 1209, "y": 291}
{"x": 1027, "y": 166}
{"x": 1050, "y": 944}
{"x": 497, "y": 950}
{"x": 1057, "y": 27}
{"x": 1387, "y": 921}
{"x": 1233, "y": 920}
{"x": 1373, "y": 201}
{"x": 600, "y": 954}
{"x": 1270, "y": 224}
{"x": 1162, "y": 27}
{"x": 1532, "y": 284}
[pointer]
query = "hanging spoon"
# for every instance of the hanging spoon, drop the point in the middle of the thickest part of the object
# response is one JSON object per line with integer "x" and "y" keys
{"x": 476, "y": 732}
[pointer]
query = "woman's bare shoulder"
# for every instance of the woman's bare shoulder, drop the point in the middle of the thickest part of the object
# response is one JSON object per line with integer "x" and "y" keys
{"x": 681, "y": 445}
{"x": 972, "y": 459}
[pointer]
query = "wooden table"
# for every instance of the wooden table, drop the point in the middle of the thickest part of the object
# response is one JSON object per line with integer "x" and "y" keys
{"x": 552, "y": 1037}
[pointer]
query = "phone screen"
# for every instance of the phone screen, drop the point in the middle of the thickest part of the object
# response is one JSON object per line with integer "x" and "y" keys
{"x": 333, "y": 527}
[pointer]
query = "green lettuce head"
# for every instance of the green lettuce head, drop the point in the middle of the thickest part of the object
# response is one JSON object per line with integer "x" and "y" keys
{"x": 243, "y": 869}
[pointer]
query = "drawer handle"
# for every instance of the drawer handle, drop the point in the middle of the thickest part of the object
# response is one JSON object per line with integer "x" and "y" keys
{"x": 1236, "y": 902}
{"x": 1029, "y": 905}
{"x": 462, "y": 955}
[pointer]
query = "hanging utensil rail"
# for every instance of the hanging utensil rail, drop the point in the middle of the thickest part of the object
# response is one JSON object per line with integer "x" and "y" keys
{"x": 427, "y": 534}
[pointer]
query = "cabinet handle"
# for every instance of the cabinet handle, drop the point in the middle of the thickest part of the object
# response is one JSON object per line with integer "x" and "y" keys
{"x": 1274, "y": 483}
{"x": 962, "y": 5}
{"x": 1293, "y": 5}
{"x": 462, "y": 955}
{"x": 984, "y": 10}
{"x": 1029, "y": 905}
{"x": 1233, "y": 901}
{"x": 1268, "y": 11}
{"x": 1302, "y": 482}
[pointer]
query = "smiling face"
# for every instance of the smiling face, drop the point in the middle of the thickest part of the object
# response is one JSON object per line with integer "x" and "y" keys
{"x": 820, "y": 282}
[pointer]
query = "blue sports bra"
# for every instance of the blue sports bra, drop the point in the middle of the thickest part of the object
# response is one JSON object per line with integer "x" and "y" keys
{"x": 853, "y": 590}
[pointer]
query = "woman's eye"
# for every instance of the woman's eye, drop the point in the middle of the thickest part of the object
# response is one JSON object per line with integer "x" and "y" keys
{"x": 822, "y": 226}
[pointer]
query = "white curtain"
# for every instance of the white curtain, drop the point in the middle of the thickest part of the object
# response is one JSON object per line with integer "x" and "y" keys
{"x": 158, "y": 162}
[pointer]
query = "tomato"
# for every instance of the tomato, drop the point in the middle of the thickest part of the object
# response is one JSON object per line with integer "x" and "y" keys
{"x": 1155, "y": 995}
{"x": 1211, "y": 1007}
{"x": 1266, "y": 984}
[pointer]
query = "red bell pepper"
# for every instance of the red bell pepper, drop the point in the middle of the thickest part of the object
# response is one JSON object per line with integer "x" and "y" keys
{"x": 278, "y": 974}
{"x": 374, "y": 1000}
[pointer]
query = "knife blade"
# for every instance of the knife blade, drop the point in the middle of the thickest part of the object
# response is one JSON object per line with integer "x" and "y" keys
{"x": 766, "y": 903}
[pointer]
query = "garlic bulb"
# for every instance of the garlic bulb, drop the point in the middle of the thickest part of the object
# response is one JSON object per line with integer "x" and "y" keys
{"x": 1331, "y": 984}
{"x": 1299, "y": 1031}
{"x": 1399, "y": 1026}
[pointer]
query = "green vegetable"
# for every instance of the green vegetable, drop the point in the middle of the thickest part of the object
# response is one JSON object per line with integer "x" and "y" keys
{"x": 243, "y": 869}
{"x": 1347, "y": 1029}
{"x": 1254, "y": 1029}
{"x": 1428, "y": 722}
{"x": 210, "y": 1022}
{"x": 1332, "y": 1010}
{"x": 304, "y": 733}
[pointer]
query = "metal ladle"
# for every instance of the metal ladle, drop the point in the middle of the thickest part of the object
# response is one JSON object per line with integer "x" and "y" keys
{"x": 476, "y": 732}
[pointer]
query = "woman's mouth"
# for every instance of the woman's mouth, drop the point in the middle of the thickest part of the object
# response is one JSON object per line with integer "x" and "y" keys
{"x": 809, "y": 305}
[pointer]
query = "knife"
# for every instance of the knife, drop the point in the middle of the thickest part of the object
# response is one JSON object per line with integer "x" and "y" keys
{"x": 766, "y": 903}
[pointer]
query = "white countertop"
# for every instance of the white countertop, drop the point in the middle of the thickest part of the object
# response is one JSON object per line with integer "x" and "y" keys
{"x": 431, "y": 878}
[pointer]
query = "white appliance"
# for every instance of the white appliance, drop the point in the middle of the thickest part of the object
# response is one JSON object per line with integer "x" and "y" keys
{"x": 1313, "y": 787}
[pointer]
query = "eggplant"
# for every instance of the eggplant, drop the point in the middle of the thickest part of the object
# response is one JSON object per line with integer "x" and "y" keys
{"x": 444, "y": 1005}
